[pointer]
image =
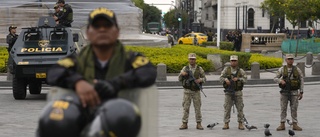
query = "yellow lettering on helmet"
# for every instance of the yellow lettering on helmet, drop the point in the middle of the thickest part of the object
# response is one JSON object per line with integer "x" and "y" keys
{"x": 60, "y": 104}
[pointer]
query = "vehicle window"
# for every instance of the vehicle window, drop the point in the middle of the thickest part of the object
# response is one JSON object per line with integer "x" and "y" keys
{"x": 31, "y": 36}
{"x": 187, "y": 35}
{"x": 201, "y": 34}
{"x": 192, "y": 34}
{"x": 58, "y": 36}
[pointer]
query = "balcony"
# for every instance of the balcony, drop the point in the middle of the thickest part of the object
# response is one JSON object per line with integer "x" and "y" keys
{"x": 256, "y": 42}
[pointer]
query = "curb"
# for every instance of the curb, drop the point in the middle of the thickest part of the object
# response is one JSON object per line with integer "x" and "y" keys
{"x": 208, "y": 83}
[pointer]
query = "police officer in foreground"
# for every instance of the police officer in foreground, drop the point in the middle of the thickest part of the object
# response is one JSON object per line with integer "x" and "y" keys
{"x": 11, "y": 39}
{"x": 66, "y": 18}
{"x": 191, "y": 91}
{"x": 233, "y": 79}
{"x": 290, "y": 80}
{"x": 96, "y": 75}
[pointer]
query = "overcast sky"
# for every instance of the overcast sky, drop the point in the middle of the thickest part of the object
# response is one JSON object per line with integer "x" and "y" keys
{"x": 164, "y": 8}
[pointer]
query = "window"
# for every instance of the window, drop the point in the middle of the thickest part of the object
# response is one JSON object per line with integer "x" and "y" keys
{"x": 58, "y": 36}
{"x": 250, "y": 18}
{"x": 263, "y": 12}
{"x": 32, "y": 36}
{"x": 303, "y": 24}
{"x": 207, "y": 16}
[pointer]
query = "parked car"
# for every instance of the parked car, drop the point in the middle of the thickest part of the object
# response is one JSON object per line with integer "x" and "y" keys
{"x": 188, "y": 38}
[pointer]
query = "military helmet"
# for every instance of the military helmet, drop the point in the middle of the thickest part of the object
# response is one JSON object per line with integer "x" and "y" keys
{"x": 115, "y": 118}
{"x": 62, "y": 118}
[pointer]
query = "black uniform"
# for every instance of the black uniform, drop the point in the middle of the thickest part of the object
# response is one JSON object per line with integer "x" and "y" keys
{"x": 66, "y": 18}
{"x": 141, "y": 77}
{"x": 11, "y": 39}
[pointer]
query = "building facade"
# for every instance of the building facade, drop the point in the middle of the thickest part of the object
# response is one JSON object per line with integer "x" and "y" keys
{"x": 244, "y": 15}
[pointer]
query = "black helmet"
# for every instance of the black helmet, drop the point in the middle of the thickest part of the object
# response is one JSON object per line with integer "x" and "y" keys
{"x": 62, "y": 118}
{"x": 115, "y": 118}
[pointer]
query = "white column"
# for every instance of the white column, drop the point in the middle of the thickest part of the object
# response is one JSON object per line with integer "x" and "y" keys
{"x": 218, "y": 23}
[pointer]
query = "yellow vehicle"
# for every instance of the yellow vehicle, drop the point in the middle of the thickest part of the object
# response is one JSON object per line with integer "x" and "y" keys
{"x": 188, "y": 38}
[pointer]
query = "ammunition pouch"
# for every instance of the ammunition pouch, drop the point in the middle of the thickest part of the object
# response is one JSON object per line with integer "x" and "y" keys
{"x": 237, "y": 87}
{"x": 295, "y": 84}
{"x": 187, "y": 84}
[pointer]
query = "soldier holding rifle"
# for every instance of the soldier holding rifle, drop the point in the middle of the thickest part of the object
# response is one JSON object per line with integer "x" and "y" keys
{"x": 233, "y": 79}
{"x": 192, "y": 76}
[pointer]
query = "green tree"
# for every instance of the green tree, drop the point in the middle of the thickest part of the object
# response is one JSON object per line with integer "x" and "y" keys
{"x": 171, "y": 18}
{"x": 295, "y": 17}
{"x": 150, "y": 14}
{"x": 139, "y": 3}
{"x": 274, "y": 8}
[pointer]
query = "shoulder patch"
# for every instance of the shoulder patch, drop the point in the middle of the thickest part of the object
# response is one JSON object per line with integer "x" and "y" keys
{"x": 66, "y": 62}
{"x": 140, "y": 61}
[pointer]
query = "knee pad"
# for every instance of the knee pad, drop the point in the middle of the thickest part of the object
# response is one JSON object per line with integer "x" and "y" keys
{"x": 62, "y": 118}
{"x": 115, "y": 118}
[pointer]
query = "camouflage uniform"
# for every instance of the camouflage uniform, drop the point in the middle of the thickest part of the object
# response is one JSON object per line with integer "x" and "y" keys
{"x": 291, "y": 96}
{"x": 190, "y": 95}
{"x": 228, "y": 102}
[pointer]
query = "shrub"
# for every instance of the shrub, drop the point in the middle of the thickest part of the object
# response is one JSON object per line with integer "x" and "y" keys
{"x": 175, "y": 58}
{"x": 265, "y": 62}
{"x": 204, "y": 44}
{"x": 224, "y": 45}
{"x": 243, "y": 58}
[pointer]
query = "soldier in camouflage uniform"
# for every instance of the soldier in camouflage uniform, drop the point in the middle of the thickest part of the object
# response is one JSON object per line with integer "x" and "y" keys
{"x": 191, "y": 91}
{"x": 233, "y": 79}
{"x": 290, "y": 83}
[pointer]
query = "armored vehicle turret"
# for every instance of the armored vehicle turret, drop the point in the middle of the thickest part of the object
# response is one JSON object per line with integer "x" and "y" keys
{"x": 36, "y": 49}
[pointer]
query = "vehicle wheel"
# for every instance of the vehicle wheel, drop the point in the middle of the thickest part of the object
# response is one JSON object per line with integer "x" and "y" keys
{"x": 180, "y": 42}
{"x": 19, "y": 87}
{"x": 35, "y": 86}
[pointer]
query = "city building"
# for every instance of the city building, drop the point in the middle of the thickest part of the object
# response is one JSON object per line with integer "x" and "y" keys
{"x": 244, "y": 15}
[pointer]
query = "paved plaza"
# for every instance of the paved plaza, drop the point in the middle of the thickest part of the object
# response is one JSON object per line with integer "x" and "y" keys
{"x": 19, "y": 117}
{"x": 261, "y": 107}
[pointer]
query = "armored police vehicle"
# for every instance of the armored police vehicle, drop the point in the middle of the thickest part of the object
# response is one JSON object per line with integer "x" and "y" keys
{"x": 36, "y": 49}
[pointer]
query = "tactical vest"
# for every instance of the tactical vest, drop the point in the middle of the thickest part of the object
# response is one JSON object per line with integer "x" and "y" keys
{"x": 86, "y": 66}
{"x": 186, "y": 83}
{"x": 295, "y": 82}
{"x": 238, "y": 84}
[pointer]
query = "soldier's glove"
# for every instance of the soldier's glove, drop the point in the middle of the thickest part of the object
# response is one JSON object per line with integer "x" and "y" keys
{"x": 105, "y": 89}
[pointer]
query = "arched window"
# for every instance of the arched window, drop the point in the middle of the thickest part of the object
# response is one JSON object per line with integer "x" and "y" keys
{"x": 250, "y": 18}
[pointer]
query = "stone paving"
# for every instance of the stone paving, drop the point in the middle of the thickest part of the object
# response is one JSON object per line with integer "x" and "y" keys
{"x": 261, "y": 107}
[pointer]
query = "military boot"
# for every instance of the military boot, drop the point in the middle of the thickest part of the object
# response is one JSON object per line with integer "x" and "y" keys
{"x": 199, "y": 126}
{"x": 226, "y": 126}
{"x": 281, "y": 127}
{"x": 296, "y": 127}
{"x": 240, "y": 126}
{"x": 184, "y": 126}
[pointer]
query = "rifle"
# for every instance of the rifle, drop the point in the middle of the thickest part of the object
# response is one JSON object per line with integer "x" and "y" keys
{"x": 192, "y": 79}
{"x": 231, "y": 88}
{"x": 287, "y": 87}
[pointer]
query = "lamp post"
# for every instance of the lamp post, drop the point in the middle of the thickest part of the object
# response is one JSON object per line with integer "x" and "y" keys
{"x": 218, "y": 23}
